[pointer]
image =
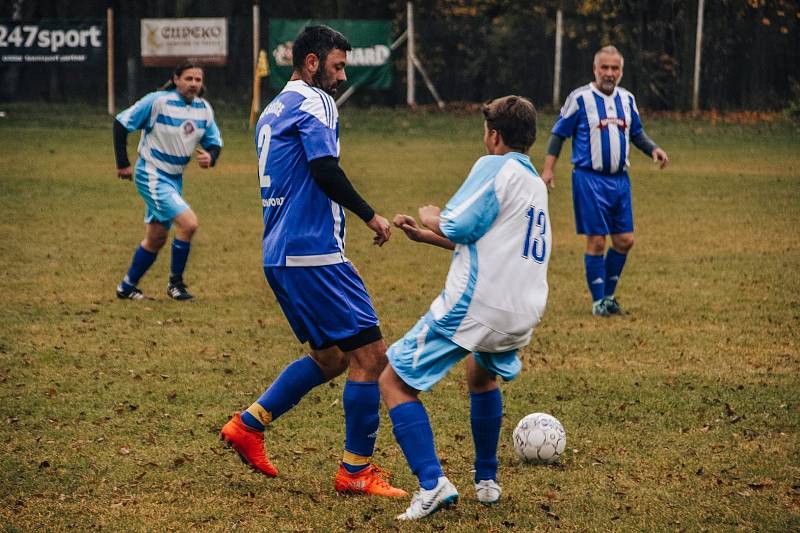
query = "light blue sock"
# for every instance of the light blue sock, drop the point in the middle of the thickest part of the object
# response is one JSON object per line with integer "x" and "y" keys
{"x": 413, "y": 432}
{"x": 486, "y": 417}
{"x": 595, "y": 275}
{"x": 285, "y": 392}
{"x": 362, "y": 403}
{"x": 142, "y": 260}
{"x": 615, "y": 262}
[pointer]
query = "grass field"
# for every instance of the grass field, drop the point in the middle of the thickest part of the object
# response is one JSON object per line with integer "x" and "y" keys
{"x": 682, "y": 415}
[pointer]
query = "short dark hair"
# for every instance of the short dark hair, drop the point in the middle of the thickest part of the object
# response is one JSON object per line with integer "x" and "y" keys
{"x": 318, "y": 40}
{"x": 514, "y": 117}
{"x": 185, "y": 65}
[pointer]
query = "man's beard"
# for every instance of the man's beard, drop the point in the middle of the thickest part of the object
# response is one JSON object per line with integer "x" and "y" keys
{"x": 321, "y": 81}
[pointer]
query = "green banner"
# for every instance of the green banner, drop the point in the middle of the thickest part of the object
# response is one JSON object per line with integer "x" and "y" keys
{"x": 369, "y": 64}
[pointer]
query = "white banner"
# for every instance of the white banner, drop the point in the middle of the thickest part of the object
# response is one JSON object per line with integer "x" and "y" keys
{"x": 166, "y": 42}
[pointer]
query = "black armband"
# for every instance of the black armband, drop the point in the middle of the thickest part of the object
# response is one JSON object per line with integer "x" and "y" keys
{"x": 213, "y": 151}
{"x": 554, "y": 145}
{"x": 330, "y": 177}
{"x": 121, "y": 145}
{"x": 644, "y": 143}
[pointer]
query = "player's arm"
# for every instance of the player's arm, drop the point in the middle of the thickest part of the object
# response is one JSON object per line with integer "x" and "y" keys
{"x": 644, "y": 143}
{"x": 419, "y": 234}
{"x": 210, "y": 145}
{"x": 124, "y": 170}
{"x": 553, "y": 151}
{"x": 330, "y": 177}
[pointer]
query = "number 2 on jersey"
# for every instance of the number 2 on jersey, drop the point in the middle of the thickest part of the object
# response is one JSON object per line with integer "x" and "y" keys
{"x": 535, "y": 245}
{"x": 264, "y": 136}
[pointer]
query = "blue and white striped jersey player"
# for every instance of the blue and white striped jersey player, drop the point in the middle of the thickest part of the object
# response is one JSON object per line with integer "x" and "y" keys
{"x": 496, "y": 290}
{"x": 174, "y": 121}
{"x": 303, "y": 195}
{"x": 603, "y": 121}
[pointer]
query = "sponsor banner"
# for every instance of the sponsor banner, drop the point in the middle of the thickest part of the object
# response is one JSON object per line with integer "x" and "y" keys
{"x": 61, "y": 42}
{"x": 167, "y": 42}
{"x": 369, "y": 64}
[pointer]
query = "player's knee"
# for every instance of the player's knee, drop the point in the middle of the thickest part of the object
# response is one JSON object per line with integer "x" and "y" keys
{"x": 623, "y": 244}
{"x": 595, "y": 245}
{"x": 154, "y": 243}
{"x": 332, "y": 363}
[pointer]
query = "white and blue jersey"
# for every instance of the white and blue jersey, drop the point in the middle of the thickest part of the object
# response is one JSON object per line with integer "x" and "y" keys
{"x": 302, "y": 225}
{"x": 601, "y": 127}
{"x": 496, "y": 289}
{"x": 171, "y": 129}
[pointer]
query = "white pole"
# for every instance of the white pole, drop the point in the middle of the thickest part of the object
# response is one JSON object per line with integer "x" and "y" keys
{"x": 256, "y": 40}
{"x": 110, "y": 58}
{"x": 697, "y": 48}
{"x": 410, "y": 97}
{"x": 557, "y": 61}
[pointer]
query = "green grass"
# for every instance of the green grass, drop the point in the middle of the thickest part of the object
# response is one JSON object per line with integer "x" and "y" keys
{"x": 682, "y": 415}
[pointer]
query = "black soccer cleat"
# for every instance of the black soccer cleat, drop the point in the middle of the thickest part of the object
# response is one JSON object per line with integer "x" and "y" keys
{"x": 130, "y": 294}
{"x": 612, "y": 306}
{"x": 178, "y": 291}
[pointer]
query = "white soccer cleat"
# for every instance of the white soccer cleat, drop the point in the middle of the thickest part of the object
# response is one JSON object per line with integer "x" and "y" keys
{"x": 426, "y": 502}
{"x": 487, "y": 491}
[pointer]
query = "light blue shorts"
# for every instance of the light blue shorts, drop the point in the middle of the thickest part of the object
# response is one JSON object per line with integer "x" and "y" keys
{"x": 162, "y": 193}
{"x": 423, "y": 357}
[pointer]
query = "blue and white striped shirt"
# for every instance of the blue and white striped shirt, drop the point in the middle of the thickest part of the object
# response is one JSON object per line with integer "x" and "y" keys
{"x": 171, "y": 129}
{"x": 601, "y": 128}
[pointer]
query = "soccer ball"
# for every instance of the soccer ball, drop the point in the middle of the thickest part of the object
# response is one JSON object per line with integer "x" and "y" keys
{"x": 539, "y": 438}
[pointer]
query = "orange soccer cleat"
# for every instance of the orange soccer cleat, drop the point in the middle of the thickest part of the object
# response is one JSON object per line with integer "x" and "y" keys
{"x": 249, "y": 444}
{"x": 372, "y": 480}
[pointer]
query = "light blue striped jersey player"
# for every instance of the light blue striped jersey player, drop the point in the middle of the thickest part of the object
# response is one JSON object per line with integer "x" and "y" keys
{"x": 601, "y": 127}
{"x": 302, "y": 225}
{"x": 496, "y": 289}
{"x": 171, "y": 129}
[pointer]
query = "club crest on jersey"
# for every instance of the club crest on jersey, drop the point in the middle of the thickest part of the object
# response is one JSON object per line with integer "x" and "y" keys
{"x": 606, "y": 122}
{"x": 188, "y": 127}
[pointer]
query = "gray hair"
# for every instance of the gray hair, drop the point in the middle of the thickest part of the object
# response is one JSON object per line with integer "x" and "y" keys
{"x": 610, "y": 49}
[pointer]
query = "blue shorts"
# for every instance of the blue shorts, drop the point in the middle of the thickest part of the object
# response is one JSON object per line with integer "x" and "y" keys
{"x": 323, "y": 304}
{"x": 602, "y": 203}
{"x": 423, "y": 357}
{"x": 162, "y": 193}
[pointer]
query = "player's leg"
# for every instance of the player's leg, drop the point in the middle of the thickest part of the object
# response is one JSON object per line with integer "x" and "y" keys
{"x": 486, "y": 416}
{"x": 591, "y": 207}
{"x": 621, "y": 228}
{"x": 186, "y": 223}
{"x": 417, "y": 361}
{"x": 155, "y": 235}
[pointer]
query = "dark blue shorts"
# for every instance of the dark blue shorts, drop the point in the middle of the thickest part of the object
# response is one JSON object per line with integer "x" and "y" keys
{"x": 602, "y": 203}
{"x": 323, "y": 304}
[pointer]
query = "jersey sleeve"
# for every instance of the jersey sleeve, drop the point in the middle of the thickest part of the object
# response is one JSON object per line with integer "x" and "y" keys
{"x": 568, "y": 117}
{"x": 473, "y": 209}
{"x": 212, "y": 136}
{"x": 317, "y": 127}
{"x": 137, "y": 116}
{"x": 636, "y": 122}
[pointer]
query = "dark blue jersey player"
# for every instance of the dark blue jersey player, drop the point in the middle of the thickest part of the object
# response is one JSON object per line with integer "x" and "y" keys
{"x": 304, "y": 194}
{"x": 603, "y": 121}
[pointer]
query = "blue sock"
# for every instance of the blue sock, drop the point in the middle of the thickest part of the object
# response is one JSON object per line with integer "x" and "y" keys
{"x": 413, "y": 432}
{"x": 486, "y": 416}
{"x": 362, "y": 403}
{"x": 615, "y": 262}
{"x": 595, "y": 275}
{"x": 180, "y": 254}
{"x": 142, "y": 259}
{"x": 285, "y": 392}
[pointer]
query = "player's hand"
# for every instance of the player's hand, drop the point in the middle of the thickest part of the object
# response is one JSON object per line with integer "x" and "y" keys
{"x": 428, "y": 213}
{"x": 203, "y": 158}
{"x": 409, "y": 227}
{"x": 125, "y": 173}
{"x": 382, "y": 229}
{"x": 549, "y": 179}
{"x": 660, "y": 156}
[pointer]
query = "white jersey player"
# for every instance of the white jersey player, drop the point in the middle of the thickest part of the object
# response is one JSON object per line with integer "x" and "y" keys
{"x": 498, "y": 225}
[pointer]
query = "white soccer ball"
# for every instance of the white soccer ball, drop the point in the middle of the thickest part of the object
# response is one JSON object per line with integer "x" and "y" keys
{"x": 539, "y": 438}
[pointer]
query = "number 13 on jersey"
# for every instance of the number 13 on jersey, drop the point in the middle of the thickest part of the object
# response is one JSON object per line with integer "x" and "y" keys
{"x": 535, "y": 245}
